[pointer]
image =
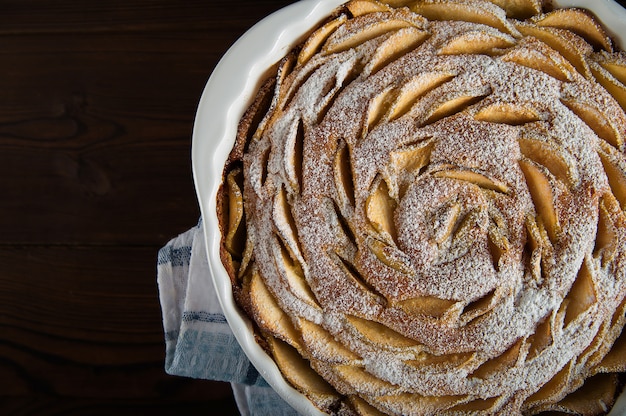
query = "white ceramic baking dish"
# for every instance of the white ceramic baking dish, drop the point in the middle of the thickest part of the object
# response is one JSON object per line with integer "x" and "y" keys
{"x": 228, "y": 93}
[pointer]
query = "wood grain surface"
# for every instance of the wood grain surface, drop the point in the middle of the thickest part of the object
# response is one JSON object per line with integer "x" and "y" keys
{"x": 97, "y": 103}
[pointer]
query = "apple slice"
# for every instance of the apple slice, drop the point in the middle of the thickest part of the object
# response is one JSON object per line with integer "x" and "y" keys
{"x": 507, "y": 113}
{"x": 519, "y": 9}
{"x": 380, "y": 207}
{"x": 265, "y": 309}
{"x": 535, "y": 54}
{"x": 571, "y": 46}
{"x": 314, "y": 42}
{"x": 578, "y": 21}
{"x": 235, "y": 234}
{"x": 299, "y": 373}
{"x": 477, "y": 11}
{"x": 364, "y": 382}
{"x": 610, "y": 83}
{"x": 361, "y": 7}
{"x": 477, "y": 42}
{"x": 325, "y": 347}
{"x": 542, "y": 196}
{"x": 379, "y": 334}
{"x": 416, "y": 88}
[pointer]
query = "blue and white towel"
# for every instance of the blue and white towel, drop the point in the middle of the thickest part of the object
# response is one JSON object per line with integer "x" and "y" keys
{"x": 198, "y": 340}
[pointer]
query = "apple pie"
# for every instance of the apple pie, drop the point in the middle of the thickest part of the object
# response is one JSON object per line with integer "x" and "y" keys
{"x": 424, "y": 210}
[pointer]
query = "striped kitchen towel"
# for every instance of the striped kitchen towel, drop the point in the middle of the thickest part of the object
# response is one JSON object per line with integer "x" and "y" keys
{"x": 198, "y": 340}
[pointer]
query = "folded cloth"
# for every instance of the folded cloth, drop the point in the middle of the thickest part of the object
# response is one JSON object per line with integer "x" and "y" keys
{"x": 198, "y": 340}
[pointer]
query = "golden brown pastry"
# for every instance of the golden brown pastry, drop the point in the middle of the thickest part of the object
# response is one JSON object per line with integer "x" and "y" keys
{"x": 424, "y": 211}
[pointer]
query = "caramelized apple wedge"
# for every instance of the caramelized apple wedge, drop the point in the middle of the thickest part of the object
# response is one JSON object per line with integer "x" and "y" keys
{"x": 299, "y": 373}
{"x": 285, "y": 223}
{"x": 568, "y": 44}
{"x": 506, "y": 113}
{"x": 380, "y": 208}
{"x": 616, "y": 88}
{"x": 266, "y": 310}
{"x": 542, "y": 196}
{"x": 378, "y": 108}
{"x": 597, "y": 120}
{"x": 551, "y": 157}
{"x": 361, "y": 7}
{"x": 417, "y": 404}
{"x": 482, "y": 12}
{"x": 582, "y": 295}
{"x": 389, "y": 256}
{"x": 416, "y": 88}
{"x": 488, "y": 406}
{"x": 364, "y": 382}
{"x": 519, "y": 9}
{"x": 615, "y": 170}
{"x": 332, "y": 351}
{"x": 535, "y": 54}
{"x": 395, "y": 46}
{"x": 350, "y": 38}
{"x": 411, "y": 159}
{"x": 426, "y": 305}
{"x": 540, "y": 339}
{"x": 593, "y": 398}
{"x": 380, "y": 334}
{"x": 474, "y": 177}
{"x": 443, "y": 361}
{"x": 292, "y": 272}
{"x": 607, "y": 237}
{"x": 314, "y": 42}
{"x": 363, "y": 407}
{"x": 615, "y": 360}
{"x": 453, "y": 103}
{"x": 501, "y": 362}
{"x": 553, "y": 390}
{"x": 477, "y": 42}
{"x": 343, "y": 175}
{"x": 578, "y": 21}
{"x": 614, "y": 63}
{"x": 235, "y": 239}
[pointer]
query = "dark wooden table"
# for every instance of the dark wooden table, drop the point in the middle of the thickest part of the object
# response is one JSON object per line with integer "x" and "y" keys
{"x": 97, "y": 103}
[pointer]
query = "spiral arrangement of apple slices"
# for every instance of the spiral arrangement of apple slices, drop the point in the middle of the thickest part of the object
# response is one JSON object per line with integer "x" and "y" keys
{"x": 424, "y": 210}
